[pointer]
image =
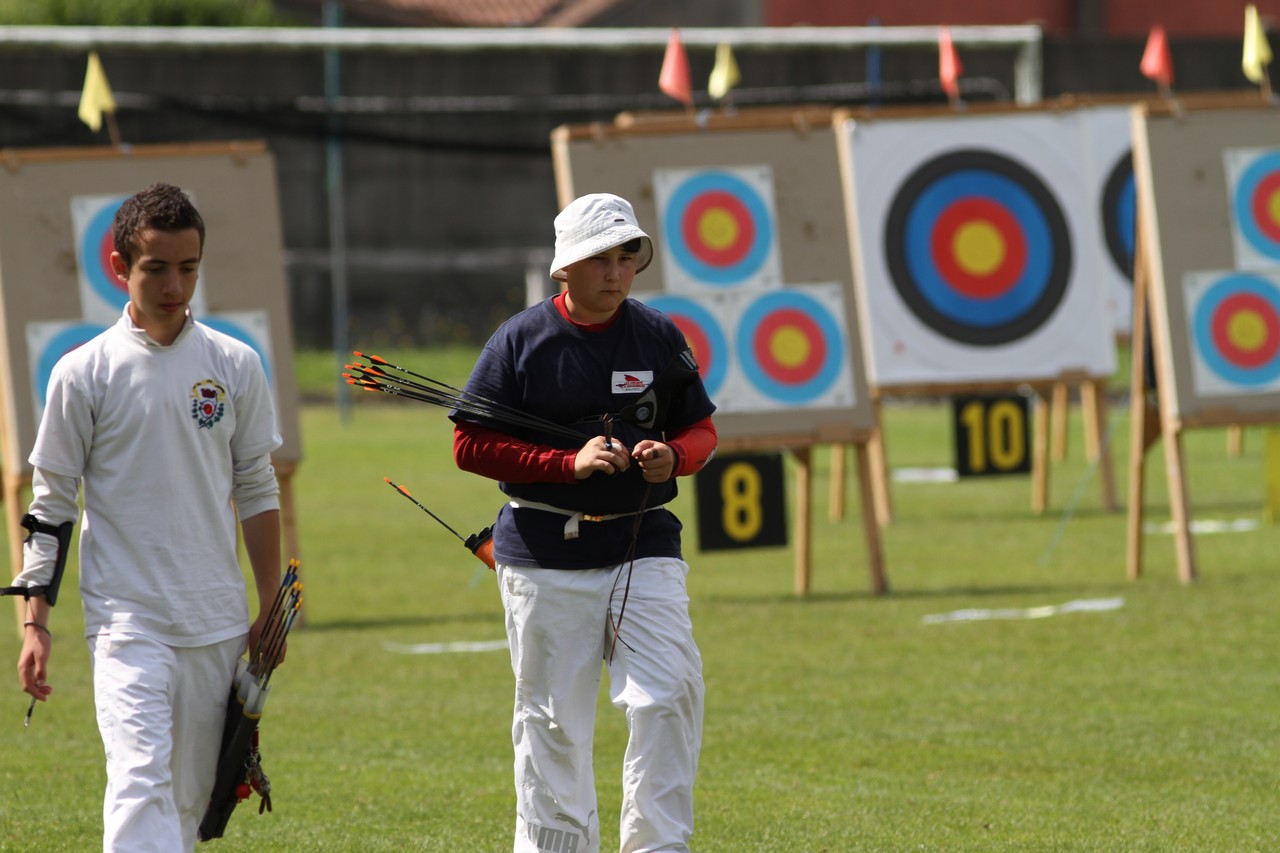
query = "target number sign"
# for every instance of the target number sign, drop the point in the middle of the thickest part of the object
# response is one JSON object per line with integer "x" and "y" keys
{"x": 978, "y": 248}
{"x": 1234, "y": 320}
{"x": 992, "y": 435}
{"x": 719, "y": 228}
{"x": 740, "y": 502}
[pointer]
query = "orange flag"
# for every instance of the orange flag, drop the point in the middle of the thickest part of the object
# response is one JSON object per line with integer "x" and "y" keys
{"x": 949, "y": 67}
{"x": 674, "y": 79}
{"x": 1156, "y": 62}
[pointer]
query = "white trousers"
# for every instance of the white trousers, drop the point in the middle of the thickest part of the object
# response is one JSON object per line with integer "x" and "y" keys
{"x": 161, "y": 711}
{"x": 560, "y": 627}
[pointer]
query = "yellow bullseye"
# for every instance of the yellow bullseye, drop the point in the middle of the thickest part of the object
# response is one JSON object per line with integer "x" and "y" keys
{"x": 717, "y": 229}
{"x": 978, "y": 248}
{"x": 789, "y": 346}
{"x": 1247, "y": 331}
{"x": 1273, "y": 207}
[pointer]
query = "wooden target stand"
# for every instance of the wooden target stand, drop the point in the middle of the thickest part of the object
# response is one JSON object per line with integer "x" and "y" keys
{"x": 796, "y": 142}
{"x": 234, "y": 185}
{"x": 1050, "y": 400}
{"x": 1052, "y": 393}
{"x": 801, "y": 448}
{"x": 1158, "y": 413}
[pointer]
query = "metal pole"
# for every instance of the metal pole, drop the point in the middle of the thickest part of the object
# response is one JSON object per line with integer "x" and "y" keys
{"x": 337, "y": 213}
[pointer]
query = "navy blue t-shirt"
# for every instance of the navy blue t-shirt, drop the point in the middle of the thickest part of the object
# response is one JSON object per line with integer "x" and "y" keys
{"x": 542, "y": 364}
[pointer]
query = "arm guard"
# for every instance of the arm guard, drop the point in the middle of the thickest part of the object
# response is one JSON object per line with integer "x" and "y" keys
{"x": 62, "y": 533}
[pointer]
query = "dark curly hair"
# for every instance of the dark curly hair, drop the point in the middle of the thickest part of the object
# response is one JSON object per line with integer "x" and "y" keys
{"x": 160, "y": 207}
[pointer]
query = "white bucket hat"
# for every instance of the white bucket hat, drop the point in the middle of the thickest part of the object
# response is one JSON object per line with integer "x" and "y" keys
{"x": 593, "y": 224}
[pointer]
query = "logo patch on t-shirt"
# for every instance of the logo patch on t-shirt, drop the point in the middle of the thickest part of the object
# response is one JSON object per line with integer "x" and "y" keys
{"x": 208, "y": 402}
{"x": 631, "y": 382}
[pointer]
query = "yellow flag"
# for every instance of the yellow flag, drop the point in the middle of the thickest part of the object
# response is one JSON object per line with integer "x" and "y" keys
{"x": 95, "y": 98}
{"x": 1257, "y": 52}
{"x": 724, "y": 76}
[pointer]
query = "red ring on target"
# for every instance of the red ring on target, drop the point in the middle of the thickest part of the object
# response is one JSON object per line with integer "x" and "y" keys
{"x": 1265, "y": 204}
{"x": 953, "y": 245}
{"x": 776, "y": 339}
{"x": 1250, "y": 354}
{"x": 718, "y": 211}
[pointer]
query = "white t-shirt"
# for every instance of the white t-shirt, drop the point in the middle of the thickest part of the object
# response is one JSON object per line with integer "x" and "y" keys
{"x": 162, "y": 439}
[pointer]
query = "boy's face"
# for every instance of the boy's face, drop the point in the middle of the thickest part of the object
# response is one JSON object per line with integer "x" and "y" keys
{"x": 161, "y": 280}
{"x": 598, "y": 284}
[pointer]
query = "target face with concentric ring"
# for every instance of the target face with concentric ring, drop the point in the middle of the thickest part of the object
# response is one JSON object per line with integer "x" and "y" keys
{"x": 249, "y": 327}
{"x": 978, "y": 248}
{"x": 46, "y": 343}
{"x": 703, "y": 331}
{"x": 1253, "y": 182}
{"x": 1234, "y": 320}
{"x": 1120, "y": 214}
{"x": 792, "y": 347}
{"x": 718, "y": 228}
{"x": 102, "y": 294}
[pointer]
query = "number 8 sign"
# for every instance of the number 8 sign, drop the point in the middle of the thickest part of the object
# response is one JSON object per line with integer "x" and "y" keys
{"x": 740, "y": 502}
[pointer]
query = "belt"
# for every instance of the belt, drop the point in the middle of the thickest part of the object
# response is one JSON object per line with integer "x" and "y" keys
{"x": 575, "y": 516}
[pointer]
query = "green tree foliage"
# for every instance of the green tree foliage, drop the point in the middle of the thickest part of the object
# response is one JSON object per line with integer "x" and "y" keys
{"x": 140, "y": 13}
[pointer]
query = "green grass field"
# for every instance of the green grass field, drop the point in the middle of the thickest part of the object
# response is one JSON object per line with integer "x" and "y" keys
{"x": 836, "y": 722}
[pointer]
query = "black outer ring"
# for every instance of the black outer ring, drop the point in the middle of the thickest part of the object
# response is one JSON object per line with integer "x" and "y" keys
{"x": 896, "y": 250}
{"x": 1121, "y": 174}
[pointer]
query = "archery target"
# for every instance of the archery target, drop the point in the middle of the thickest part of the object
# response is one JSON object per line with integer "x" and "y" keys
{"x": 102, "y": 295}
{"x": 1110, "y": 180}
{"x": 1234, "y": 320}
{"x": 1120, "y": 214}
{"x": 248, "y": 327}
{"x": 46, "y": 343}
{"x": 1253, "y": 183}
{"x": 969, "y": 258}
{"x": 792, "y": 346}
{"x": 719, "y": 228}
{"x": 770, "y": 350}
{"x": 978, "y": 248}
{"x": 700, "y": 322}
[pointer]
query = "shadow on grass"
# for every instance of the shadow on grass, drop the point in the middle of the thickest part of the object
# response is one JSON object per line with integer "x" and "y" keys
{"x": 1081, "y": 590}
{"x": 379, "y": 624}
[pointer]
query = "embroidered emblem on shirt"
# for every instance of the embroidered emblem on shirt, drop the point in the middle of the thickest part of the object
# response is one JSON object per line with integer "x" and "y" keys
{"x": 628, "y": 382}
{"x": 208, "y": 402}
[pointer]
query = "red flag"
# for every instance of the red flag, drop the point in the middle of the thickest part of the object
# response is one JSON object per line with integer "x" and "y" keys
{"x": 1157, "y": 64}
{"x": 674, "y": 79}
{"x": 949, "y": 67}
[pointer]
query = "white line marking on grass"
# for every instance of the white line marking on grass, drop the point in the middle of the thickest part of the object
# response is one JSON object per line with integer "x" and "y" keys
{"x": 1207, "y": 525}
{"x": 925, "y": 475}
{"x": 445, "y": 648}
{"x": 1084, "y": 605}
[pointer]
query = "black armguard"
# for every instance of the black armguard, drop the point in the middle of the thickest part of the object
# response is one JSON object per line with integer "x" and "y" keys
{"x": 62, "y": 533}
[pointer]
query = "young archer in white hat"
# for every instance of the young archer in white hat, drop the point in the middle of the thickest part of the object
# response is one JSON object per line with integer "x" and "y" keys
{"x": 589, "y": 561}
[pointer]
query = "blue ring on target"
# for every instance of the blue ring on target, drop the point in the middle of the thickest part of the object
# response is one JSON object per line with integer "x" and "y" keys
{"x": 66, "y": 339}
{"x": 827, "y": 372}
{"x": 716, "y": 362}
{"x": 1120, "y": 214}
{"x": 235, "y": 330}
{"x": 1202, "y": 329}
{"x": 961, "y": 177}
{"x": 1263, "y": 167}
{"x": 101, "y": 282}
{"x": 686, "y": 256}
